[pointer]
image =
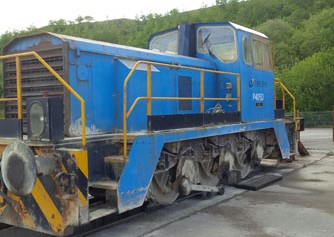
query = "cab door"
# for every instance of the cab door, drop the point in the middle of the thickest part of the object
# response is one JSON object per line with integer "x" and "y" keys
{"x": 257, "y": 78}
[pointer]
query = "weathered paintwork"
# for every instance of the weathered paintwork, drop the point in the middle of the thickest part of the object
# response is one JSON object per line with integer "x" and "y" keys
{"x": 56, "y": 203}
{"x": 96, "y": 70}
{"x": 145, "y": 153}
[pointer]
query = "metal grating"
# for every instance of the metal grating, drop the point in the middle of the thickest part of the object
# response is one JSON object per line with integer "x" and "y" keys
{"x": 36, "y": 80}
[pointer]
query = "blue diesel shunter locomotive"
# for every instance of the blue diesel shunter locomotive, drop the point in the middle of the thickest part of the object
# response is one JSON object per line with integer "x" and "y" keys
{"x": 93, "y": 128}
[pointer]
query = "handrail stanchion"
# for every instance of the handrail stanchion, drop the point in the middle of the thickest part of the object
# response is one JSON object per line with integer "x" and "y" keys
{"x": 149, "y": 89}
{"x": 283, "y": 95}
{"x": 18, "y": 87}
{"x": 275, "y": 96}
{"x": 125, "y": 117}
{"x": 202, "y": 91}
{"x": 283, "y": 88}
{"x": 69, "y": 88}
{"x": 238, "y": 92}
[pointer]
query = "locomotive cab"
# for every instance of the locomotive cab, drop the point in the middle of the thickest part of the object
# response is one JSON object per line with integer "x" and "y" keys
{"x": 92, "y": 128}
{"x": 231, "y": 48}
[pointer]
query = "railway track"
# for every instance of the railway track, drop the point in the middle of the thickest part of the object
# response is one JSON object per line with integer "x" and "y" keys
{"x": 10, "y": 231}
{"x": 93, "y": 226}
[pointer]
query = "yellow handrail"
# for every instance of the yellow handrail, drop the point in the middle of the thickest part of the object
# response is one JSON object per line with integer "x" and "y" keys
{"x": 149, "y": 97}
{"x": 285, "y": 89}
{"x": 173, "y": 98}
{"x": 56, "y": 75}
{"x": 7, "y": 99}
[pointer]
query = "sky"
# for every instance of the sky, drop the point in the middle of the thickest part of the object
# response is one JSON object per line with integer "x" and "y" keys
{"x": 18, "y": 15}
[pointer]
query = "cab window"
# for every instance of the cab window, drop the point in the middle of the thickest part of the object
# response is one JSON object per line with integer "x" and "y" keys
{"x": 262, "y": 55}
{"x": 247, "y": 50}
{"x": 165, "y": 43}
{"x": 219, "y": 41}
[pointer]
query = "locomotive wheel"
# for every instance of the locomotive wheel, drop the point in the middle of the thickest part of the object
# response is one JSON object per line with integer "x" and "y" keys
{"x": 246, "y": 170}
{"x": 206, "y": 177}
{"x": 162, "y": 189}
{"x": 247, "y": 166}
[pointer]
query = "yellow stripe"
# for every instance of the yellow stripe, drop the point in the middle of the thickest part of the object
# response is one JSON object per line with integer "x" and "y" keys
{"x": 48, "y": 208}
{"x": 2, "y": 208}
{"x": 83, "y": 199}
{"x": 82, "y": 161}
{"x": 63, "y": 169}
{"x": 23, "y": 213}
{"x": 81, "y": 158}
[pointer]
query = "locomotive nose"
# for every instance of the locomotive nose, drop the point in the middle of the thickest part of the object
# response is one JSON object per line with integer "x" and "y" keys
{"x": 18, "y": 168}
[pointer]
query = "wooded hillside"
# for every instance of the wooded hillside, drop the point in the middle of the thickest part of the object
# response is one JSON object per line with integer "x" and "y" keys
{"x": 301, "y": 31}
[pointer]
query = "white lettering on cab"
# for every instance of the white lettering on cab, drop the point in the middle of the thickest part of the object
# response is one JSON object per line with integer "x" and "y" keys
{"x": 258, "y": 97}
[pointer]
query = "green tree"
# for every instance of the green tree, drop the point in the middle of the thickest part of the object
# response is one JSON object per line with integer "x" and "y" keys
{"x": 57, "y": 26}
{"x": 316, "y": 34}
{"x": 280, "y": 33}
{"x": 312, "y": 81}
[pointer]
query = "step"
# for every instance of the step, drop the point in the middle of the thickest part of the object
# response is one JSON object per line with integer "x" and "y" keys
{"x": 101, "y": 212}
{"x": 269, "y": 162}
{"x": 109, "y": 185}
{"x": 258, "y": 182}
{"x": 114, "y": 166}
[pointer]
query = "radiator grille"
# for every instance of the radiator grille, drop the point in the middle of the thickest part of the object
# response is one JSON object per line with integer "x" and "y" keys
{"x": 36, "y": 79}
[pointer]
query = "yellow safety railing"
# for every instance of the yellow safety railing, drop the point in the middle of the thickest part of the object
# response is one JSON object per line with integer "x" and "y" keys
{"x": 55, "y": 74}
{"x": 284, "y": 90}
{"x": 149, "y": 98}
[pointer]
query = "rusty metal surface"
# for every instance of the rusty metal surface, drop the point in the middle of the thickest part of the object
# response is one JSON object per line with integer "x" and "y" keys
{"x": 53, "y": 204}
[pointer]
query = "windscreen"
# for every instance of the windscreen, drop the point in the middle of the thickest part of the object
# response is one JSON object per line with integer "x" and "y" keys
{"x": 219, "y": 41}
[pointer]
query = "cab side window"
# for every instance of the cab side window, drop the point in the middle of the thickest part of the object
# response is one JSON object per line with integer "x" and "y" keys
{"x": 262, "y": 55}
{"x": 165, "y": 43}
{"x": 247, "y": 50}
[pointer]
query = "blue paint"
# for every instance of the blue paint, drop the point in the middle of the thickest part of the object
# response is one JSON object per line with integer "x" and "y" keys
{"x": 97, "y": 70}
{"x": 145, "y": 153}
{"x": 263, "y": 82}
{"x": 137, "y": 174}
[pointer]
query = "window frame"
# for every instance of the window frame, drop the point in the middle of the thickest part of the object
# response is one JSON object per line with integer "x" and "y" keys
{"x": 267, "y": 43}
{"x": 164, "y": 35}
{"x": 201, "y": 49}
{"x": 249, "y": 45}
